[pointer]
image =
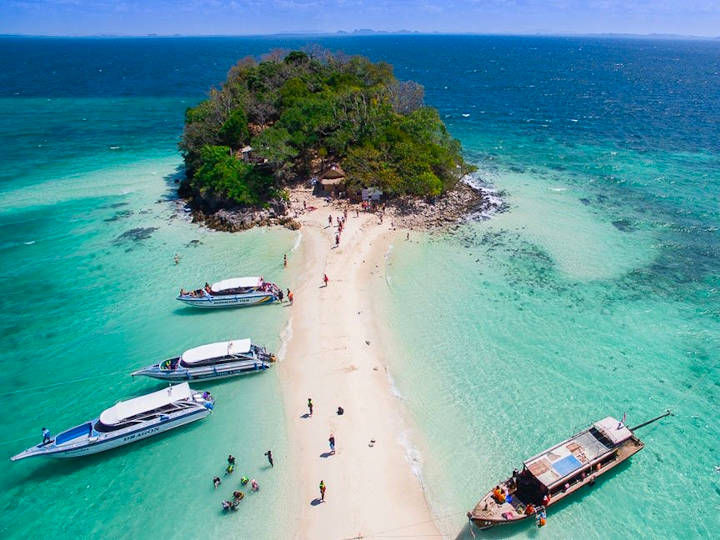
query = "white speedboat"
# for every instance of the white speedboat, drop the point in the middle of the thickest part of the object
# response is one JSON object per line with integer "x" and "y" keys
{"x": 127, "y": 422}
{"x": 235, "y": 292}
{"x": 212, "y": 361}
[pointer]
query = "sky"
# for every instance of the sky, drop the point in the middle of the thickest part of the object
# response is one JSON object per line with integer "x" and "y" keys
{"x": 252, "y": 17}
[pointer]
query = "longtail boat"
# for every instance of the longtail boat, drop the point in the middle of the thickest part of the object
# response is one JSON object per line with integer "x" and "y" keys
{"x": 554, "y": 474}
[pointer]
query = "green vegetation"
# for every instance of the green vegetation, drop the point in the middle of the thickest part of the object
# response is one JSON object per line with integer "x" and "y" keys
{"x": 301, "y": 113}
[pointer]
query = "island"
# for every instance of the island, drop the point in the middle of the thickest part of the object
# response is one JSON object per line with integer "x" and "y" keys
{"x": 344, "y": 124}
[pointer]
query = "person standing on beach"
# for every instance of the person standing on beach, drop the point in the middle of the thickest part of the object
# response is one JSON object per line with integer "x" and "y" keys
{"x": 331, "y": 441}
{"x": 325, "y": 279}
{"x": 270, "y": 458}
{"x": 310, "y": 405}
{"x": 322, "y": 490}
{"x": 330, "y": 220}
{"x": 337, "y": 240}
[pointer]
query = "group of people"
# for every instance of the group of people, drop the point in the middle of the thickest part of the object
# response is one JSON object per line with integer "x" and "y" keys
{"x": 331, "y": 442}
{"x": 340, "y": 220}
{"x": 244, "y": 481}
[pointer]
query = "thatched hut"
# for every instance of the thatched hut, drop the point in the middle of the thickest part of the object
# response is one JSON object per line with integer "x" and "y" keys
{"x": 332, "y": 181}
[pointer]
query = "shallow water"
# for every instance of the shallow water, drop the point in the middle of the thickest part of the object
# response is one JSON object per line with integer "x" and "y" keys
{"x": 594, "y": 294}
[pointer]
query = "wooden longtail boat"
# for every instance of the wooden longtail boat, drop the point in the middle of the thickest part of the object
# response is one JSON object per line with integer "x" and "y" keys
{"x": 558, "y": 472}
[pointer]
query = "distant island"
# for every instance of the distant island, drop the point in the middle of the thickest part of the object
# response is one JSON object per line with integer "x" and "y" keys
{"x": 341, "y": 122}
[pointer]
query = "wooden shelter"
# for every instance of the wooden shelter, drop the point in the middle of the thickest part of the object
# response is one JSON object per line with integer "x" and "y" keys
{"x": 332, "y": 180}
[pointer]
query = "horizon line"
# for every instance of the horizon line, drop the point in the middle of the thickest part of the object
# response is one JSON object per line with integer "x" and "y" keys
{"x": 367, "y": 33}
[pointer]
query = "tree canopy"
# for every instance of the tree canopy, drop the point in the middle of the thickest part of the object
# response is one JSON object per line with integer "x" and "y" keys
{"x": 301, "y": 112}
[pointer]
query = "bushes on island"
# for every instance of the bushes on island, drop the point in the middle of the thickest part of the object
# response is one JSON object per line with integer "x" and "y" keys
{"x": 300, "y": 113}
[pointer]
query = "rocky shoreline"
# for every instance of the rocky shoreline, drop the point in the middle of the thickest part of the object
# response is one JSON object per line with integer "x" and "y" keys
{"x": 242, "y": 220}
{"x": 468, "y": 201}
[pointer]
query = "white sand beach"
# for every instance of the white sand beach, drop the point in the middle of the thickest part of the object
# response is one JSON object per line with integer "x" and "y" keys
{"x": 334, "y": 356}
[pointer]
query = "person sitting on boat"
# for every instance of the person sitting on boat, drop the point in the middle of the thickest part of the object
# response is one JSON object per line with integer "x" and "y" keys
{"x": 529, "y": 509}
{"x": 207, "y": 288}
{"x": 498, "y": 495}
{"x": 46, "y": 436}
{"x": 546, "y": 500}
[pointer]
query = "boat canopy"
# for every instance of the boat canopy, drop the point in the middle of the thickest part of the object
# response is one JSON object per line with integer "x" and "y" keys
{"x": 236, "y": 283}
{"x": 149, "y": 402}
{"x": 613, "y": 429}
{"x": 555, "y": 464}
{"x": 216, "y": 350}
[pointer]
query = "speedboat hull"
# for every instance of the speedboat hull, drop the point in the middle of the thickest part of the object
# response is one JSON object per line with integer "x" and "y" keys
{"x": 130, "y": 437}
{"x": 205, "y": 373}
{"x": 98, "y": 436}
{"x": 227, "y": 301}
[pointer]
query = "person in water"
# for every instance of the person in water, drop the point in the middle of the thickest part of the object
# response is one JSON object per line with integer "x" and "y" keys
{"x": 46, "y": 436}
{"x": 244, "y": 480}
{"x": 254, "y": 485}
{"x": 290, "y": 296}
{"x": 322, "y": 490}
{"x": 216, "y": 481}
{"x": 270, "y": 458}
{"x": 285, "y": 261}
{"x": 226, "y": 505}
{"x": 238, "y": 495}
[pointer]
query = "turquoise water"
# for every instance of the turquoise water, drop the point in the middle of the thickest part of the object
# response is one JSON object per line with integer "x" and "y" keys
{"x": 86, "y": 302}
{"x": 594, "y": 294}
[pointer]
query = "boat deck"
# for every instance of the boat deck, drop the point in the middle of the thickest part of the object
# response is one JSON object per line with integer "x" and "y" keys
{"x": 488, "y": 512}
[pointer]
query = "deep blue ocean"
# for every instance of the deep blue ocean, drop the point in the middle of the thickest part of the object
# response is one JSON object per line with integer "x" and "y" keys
{"x": 594, "y": 293}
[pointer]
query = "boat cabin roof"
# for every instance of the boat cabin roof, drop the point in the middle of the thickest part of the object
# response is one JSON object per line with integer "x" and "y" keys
{"x": 123, "y": 410}
{"x": 552, "y": 466}
{"x": 216, "y": 350}
{"x": 236, "y": 283}
{"x": 613, "y": 429}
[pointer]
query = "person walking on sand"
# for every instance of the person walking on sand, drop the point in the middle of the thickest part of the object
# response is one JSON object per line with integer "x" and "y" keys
{"x": 310, "y": 405}
{"x": 270, "y": 458}
{"x": 330, "y": 220}
{"x": 325, "y": 279}
{"x": 322, "y": 491}
{"x": 337, "y": 240}
{"x": 331, "y": 441}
